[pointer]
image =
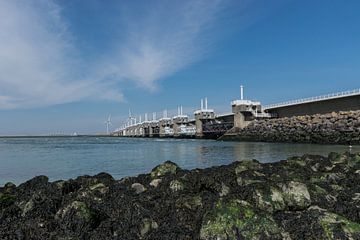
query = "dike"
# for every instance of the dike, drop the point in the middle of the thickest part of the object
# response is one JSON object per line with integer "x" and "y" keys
{"x": 308, "y": 197}
{"x": 332, "y": 128}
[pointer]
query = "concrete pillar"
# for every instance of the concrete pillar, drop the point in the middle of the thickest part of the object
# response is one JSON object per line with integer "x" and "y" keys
{"x": 150, "y": 129}
{"x": 242, "y": 114}
{"x": 239, "y": 120}
{"x": 201, "y": 117}
{"x": 163, "y": 123}
{"x": 198, "y": 125}
{"x": 177, "y": 122}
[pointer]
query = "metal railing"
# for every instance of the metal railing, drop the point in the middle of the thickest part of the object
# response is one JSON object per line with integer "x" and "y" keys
{"x": 314, "y": 99}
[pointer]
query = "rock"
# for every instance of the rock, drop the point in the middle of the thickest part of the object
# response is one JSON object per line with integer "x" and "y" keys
{"x": 245, "y": 182}
{"x": 296, "y": 195}
{"x": 224, "y": 190}
{"x": 27, "y": 207}
{"x": 247, "y": 165}
{"x": 237, "y": 219}
{"x": 81, "y": 210}
{"x": 308, "y": 197}
{"x": 192, "y": 203}
{"x": 164, "y": 169}
{"x": 176, "y": 186}
{"x": 99, "y": 187}
{"x": 138, "y": 187}
{"x": 6, "y": 200}
{"x": 155, "y": 182}
{"x": 147, "y": 226}
{"x": 332, "y": 128}
{"x": 9, "y": 185}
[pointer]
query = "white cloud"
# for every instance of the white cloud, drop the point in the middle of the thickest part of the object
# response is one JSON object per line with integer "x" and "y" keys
{"x": 170, "y": 36}
{"x": 38, "y": 64}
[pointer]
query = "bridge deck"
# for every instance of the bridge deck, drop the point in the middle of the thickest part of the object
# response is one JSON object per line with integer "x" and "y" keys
{"x": 354, "y": 92}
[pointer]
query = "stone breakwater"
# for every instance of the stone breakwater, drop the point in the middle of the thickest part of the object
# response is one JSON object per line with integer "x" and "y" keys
{"x": 332, "y": 128}
{"x": 308, "y": 197}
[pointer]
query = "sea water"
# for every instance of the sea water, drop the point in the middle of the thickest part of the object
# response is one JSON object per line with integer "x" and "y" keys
{"x": 68, "y": 157}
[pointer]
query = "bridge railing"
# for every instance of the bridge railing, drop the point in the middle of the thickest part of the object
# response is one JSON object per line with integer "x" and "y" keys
{"x": 314, "y": 99}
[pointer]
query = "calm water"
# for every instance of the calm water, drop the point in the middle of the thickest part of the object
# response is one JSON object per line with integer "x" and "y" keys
{"x": 64, "y": 158}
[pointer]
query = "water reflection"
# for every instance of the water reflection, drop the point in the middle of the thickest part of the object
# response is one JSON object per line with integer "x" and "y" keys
{"x": 63, "y": 158}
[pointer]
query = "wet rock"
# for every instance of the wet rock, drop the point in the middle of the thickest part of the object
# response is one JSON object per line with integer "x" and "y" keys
{"x": 138, "y": 187}
{"x": 147, "y": 226}
{"x": 224, "y": 190}
{"x": 167, "y": 167}
{"x": 296, "y": 195}
{"x": 247, "y": 165}
{"x": 192, "y": 203}
{"x": 155, "y": 182}
{"x": 307, "y": 197}
{"x": 336, "y": 128}
{"x": 80, "y": 208}
{"x": 176, "y": 186}
{"x": 236, "y": 219}
{"x": 6, "y": 200}
{"x": 99, "y": 187}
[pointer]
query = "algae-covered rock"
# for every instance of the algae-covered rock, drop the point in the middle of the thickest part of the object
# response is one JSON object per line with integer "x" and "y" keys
{"x": 296, "y": 161}
{"x": 100, "y": 187}
{"x": 167, "y": 167}
{"x": 338, "y": 227}
{"x": 296, "y": 195}
{"x": 176, "y": 185}
{"x": 147, "y": 225}
{"x": 155, "y": 182}
{"x": 247, "y": 165}
{"x": 337, "y": 157}
{"x": 6, "y": 200}
{"x": 243, "y": 181}
{"x": 224, "y": 190}
{"x": 236, "y": 219}
{"x": 270, "y": 200}
{"x": 81, "y": 210}
{"x": 308, "y": 197}
{"x": 138, "y": 187}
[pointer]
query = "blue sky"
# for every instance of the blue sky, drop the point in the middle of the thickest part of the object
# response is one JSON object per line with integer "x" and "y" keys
{"x": 66, "y": 65}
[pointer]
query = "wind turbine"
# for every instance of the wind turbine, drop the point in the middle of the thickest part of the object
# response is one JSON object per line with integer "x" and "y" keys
{"x": 108, "y": 124}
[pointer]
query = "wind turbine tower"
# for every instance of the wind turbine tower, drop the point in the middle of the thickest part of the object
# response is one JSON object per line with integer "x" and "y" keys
{"x": 108, "y": 124}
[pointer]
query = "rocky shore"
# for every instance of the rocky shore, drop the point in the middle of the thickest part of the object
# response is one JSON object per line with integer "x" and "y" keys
{"x": 332, "y": 128}
{"x": 308, "y": 197}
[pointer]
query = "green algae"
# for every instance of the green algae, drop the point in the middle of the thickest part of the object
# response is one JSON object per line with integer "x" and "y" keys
{"x": 296, "y": 161}
{"x": 270, "y": 200}
{"x": 176, "y": 185}
{"x": 6, "y": 199}
{"x": 337, "y": 157}
{"x": 236, "y": 219}
{"x": 247, "y": 165}
{"x": 164, "y": 169}
{"x": 331, "y": 222}
{"x": 296, "y": 195}
{"x": 147, "y": 225}
{"x": 83, "y": 211}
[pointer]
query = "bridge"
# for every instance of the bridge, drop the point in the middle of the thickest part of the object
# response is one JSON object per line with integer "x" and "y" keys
{"x": 335, "y": 102}
{"x": 207, "y": 124}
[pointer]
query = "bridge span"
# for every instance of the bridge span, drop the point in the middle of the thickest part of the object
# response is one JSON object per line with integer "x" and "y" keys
{"x": 335, "y": 102}
{"x": 207, "y": 124}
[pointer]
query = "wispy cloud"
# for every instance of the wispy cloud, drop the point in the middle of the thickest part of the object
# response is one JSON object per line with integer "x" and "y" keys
{"x": 38, "y": 63}
{"x": 170, "y": 36}
{"x": 40, "y": 66}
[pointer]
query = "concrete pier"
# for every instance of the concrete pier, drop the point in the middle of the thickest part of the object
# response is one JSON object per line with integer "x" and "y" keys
{"x": 202, "y": 116}
{"x": 207, "y": 124}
